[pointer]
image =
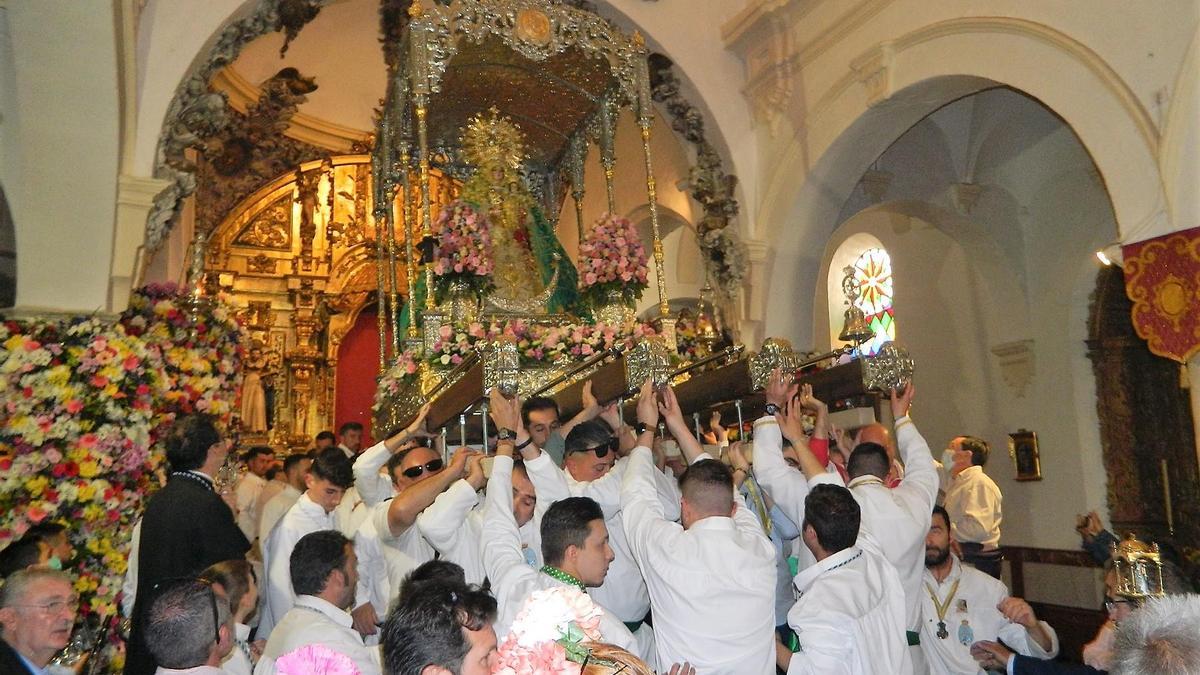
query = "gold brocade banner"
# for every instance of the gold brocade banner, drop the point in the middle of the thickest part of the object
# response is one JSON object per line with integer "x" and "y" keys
{"x": 1162, "y": 278}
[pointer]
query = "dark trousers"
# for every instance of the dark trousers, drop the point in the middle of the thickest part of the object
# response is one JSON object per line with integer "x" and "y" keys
{"x": 987, "y": 562}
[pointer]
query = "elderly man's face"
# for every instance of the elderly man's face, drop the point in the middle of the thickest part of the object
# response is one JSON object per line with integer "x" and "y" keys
{"x": 39, "y": 624}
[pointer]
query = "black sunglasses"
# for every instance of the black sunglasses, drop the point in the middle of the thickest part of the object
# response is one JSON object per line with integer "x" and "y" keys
{"x": 603, "y": 449}
{"x": 212, "y": 597}
{"x": 430, "y": 466}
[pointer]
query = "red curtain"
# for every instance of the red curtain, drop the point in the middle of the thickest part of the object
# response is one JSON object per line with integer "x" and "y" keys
{"x": 357, "y": 370}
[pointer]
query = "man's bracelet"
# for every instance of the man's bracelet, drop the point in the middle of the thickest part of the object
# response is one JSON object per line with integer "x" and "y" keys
{"x": 525, "y": 444}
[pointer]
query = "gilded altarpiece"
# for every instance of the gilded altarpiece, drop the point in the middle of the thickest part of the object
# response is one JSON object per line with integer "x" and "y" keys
{"x": 299, "y": 260}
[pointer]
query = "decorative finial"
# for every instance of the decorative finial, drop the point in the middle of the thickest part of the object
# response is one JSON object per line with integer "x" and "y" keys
{"x": 414, "y": 10}
{"x": 492, "y": 140}
{"x": 638, "y": 39}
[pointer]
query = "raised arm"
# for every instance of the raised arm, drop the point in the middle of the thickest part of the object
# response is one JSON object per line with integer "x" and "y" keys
{"x": 591, "y": 409}
{"x": 642, "y": 514}
{"x": 406, "y": 506}
{"x": 442, "y": 522}
{"x": 673, "y": 416}
{"x": 372, "y": 487}
{"x": 920, "y": 474}
{"x": 500, "y": 539}
{"x": 784, "y": 484}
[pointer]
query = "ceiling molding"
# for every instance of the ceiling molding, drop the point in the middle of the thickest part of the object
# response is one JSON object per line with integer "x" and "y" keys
{"x": 241, "y": 95}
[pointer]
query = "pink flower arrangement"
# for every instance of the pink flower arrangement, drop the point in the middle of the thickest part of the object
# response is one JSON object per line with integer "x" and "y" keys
{"x": 315, "y": 660}
{"x": 537, "y": 344}
{"x": 548, "y": 634}
{"x": 612, "y": 257}
{"x": 464, "y": 247}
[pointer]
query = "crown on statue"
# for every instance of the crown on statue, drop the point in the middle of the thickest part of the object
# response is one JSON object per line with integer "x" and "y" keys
{"x": 492, "y": 140}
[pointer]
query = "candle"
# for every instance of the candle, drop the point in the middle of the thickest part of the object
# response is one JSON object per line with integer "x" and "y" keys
{"x": 1166, "y": 482}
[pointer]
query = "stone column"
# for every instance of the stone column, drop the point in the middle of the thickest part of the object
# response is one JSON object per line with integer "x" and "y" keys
{"x": 135, "y": 196}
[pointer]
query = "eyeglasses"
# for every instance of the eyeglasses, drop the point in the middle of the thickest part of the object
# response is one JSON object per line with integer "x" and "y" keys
{"x": 1111, "y": 605}
{"x": 603, "y": 450}
{"x": 430, "y": 466}
{"x": 56, "y": 606}
{"x": 212, "y": 597}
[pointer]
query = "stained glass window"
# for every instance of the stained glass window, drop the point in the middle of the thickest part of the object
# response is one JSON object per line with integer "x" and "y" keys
{"x": 873, "y": 272}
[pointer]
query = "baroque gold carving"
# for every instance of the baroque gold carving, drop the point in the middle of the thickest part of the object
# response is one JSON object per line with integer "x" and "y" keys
{"x": 270, "y": 228}
{"x": 261, "y": 264}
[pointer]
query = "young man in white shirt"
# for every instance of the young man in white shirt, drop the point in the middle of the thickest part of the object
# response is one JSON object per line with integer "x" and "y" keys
{"x": 189, "y": 628}
{"x": 574, "y": 539}
{"x": 258, "y": 460}
{"x": 850, "y": 615}
{"x": 897, "y": 518}
{"x": 295, "y": 468}
{"x": 327, "y": 481}
{"x": 324, "y": 573}
{"x": 973, "y": 501}
{"x": 711, "y": 579}
{"x": 963, "y": 606}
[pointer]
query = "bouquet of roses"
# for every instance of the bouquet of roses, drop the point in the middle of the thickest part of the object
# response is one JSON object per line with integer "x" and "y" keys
{"x": 612, "y": 258}
{"x": 464, "y": 248}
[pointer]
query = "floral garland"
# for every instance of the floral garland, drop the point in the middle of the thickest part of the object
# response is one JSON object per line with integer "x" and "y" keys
{"x": 612, "y": 258}
{"x": 464, "y": 248}
{"x": 85, "y": 403}
{"x": 537, "y": 344}
{"x": 315, "y": 660}
{"x": 549, "y": 634}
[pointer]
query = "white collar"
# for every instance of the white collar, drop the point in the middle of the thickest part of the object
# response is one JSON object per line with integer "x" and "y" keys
{"x": 241, "y": 631}
{"x": 323, "y": 606}
{"x": 714, "y": 523}
{"x": 806, "y": 577}
{"x": 290, "y": 490}
{"x": 311, "y": 508}
{"x": 969, "y": 471}
{"x": 866, "y": 480}
{"x": 955, "y": 572}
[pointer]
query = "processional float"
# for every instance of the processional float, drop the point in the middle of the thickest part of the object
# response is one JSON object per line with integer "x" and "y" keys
{"x": 507, "y": 96}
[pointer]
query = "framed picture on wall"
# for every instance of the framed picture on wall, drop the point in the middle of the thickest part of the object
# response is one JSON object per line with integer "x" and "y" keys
{"x": 1023, "y": 447}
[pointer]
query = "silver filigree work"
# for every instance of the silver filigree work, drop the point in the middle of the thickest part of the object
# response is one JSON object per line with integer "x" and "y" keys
{"x": 648, "y": 360}
{"x": 775, "y": 353}
{"x": 889, "y": 369}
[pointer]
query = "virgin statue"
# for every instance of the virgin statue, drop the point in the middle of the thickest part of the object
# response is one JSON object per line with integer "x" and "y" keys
{"x": 531, "y": 272}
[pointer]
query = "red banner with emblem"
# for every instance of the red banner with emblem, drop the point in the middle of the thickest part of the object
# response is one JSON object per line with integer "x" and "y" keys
{"x": 1162, "y": 278}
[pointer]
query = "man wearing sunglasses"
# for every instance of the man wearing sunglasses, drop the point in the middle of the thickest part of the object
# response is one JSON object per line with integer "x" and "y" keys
{"x": 189, "y": 628}
{"x": 575, "y": 541}
{"x": 388, "y": 542}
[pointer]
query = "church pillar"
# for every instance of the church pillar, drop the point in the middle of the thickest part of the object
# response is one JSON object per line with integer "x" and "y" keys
{"x": 135, "y": 196}
{"x": 754, "y": 293}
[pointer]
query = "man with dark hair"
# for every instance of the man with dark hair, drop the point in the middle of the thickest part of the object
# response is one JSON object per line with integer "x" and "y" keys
{"x": 441, "y": 627}
{"x": 186, "y": 525}
{"x": 574, "y": 538}
{"x": 189, "y": 628}
{"x": 350, "y": 438}
{"x": 55, "y": 543}
{"x": 897, "y": 519}
{"x": 258, "y": 460}
{"x": 323, "y": 572}
{"x": 295, "y": 469}
{"x": 711, "y": 577}
{"x": 540, "y": 417}
{"x": 37, "y": 613}
{"x": 326, "y": 483}
{"x": 325, "y": 439}
{"x": 850, "y": 616}
{"x": 591, "y": 469}
{"x": 963, "y": 605}
{"x": 22, "y": 554}
{"x": 973, "y": 501}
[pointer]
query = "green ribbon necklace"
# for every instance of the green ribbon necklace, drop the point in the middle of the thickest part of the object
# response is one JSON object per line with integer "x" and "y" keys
{"x": 562, "y": 576}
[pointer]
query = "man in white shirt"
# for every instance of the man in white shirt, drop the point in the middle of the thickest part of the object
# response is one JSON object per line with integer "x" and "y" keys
{"x": 374, "y": 485}
{"x": 295, "y": 468}
{"x": 973, "y": 502}
{"x": 258, "y": 460}
{"x": 389, "y": 540}
{"x": 324, "y": 573}
{"x": 896, "y": 518}
{"x": 712, "y": 579}
{"x": 189, "y": 628}
{"x": 327, "y": 481}
{"x": 350, "y": 439}
{"x": 963, "y": 605}
{"x": 574, "y": 540}
{"x": 850, "y": 615}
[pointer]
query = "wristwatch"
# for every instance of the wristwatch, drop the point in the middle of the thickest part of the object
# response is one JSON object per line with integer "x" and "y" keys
{"x": 640, "y": 428}
{"x": 772, "y": 409}
{"x": 503, "y": 434}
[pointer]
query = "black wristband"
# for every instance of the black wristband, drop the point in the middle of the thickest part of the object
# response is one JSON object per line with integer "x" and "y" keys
{"x": 524, "y": 445}
{"x": 640, "y": 428}
{"x": 772, "y": 409}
